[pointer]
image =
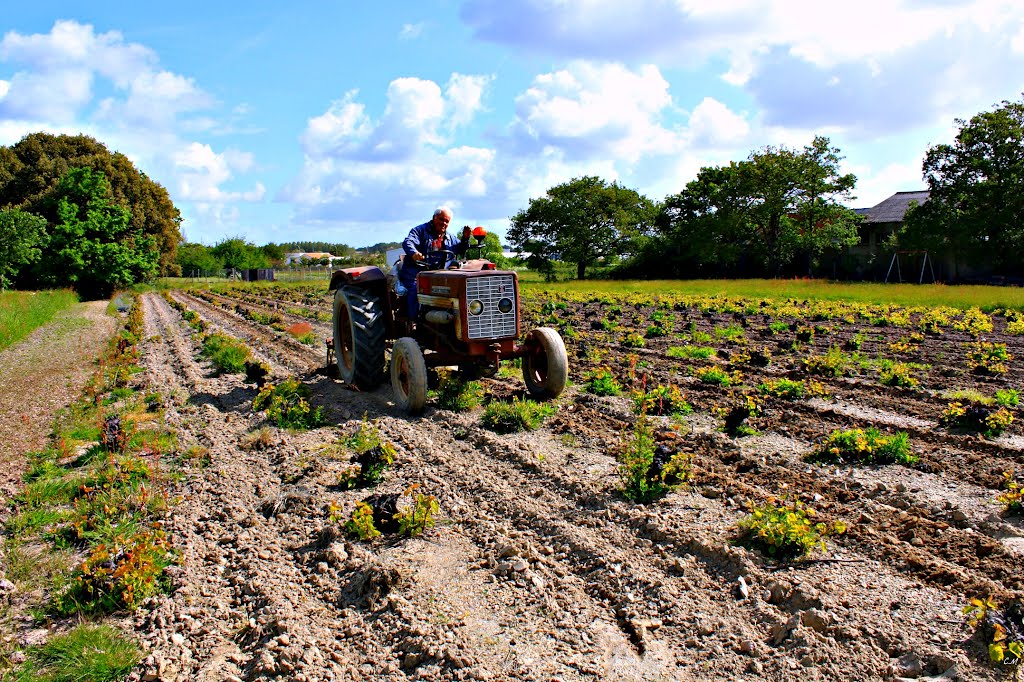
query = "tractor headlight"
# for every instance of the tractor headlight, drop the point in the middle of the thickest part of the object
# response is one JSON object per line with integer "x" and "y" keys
{"x": 505, "y": 305}
{"x": 476, "y": 307}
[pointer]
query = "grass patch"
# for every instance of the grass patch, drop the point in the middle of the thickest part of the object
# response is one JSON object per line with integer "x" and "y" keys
{"x": 690, "y": 352}
{"x": 516, "y": 415}
{"x": 21, "y": 312}
{"x": 454, "y": 393}
{"x": 87, "y": 652}
{"x": 227, "y": 354}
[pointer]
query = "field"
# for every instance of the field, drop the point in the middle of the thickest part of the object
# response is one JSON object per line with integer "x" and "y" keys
{"x": 559, "y": 552}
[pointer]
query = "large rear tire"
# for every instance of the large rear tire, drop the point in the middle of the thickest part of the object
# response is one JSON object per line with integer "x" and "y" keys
{"x": 545, "y": 365}
{"x": 409, "y": 375}
{"x": 359, "y": 337}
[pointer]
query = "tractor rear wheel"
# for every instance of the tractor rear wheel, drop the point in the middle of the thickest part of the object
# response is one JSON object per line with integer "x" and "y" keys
{"x": 359, "y": 328}
{"x": 545, "y": 365}
{"x": 409, "y": 375}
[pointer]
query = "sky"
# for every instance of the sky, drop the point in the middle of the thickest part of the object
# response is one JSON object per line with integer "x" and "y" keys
{"x": 351, "y": 122}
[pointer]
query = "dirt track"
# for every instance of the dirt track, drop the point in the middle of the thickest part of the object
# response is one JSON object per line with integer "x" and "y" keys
{"x": 538, "y": 569}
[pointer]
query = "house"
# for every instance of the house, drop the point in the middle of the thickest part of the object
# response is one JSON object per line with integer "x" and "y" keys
{"x": 311, "y": 256}
{"x": 871, "y": 258}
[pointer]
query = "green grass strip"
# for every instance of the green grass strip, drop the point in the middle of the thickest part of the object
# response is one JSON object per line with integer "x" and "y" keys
{"x": 21, "y": 312}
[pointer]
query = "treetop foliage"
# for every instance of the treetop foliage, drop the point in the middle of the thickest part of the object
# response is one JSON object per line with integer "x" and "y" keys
{"x": 31, "y": 171}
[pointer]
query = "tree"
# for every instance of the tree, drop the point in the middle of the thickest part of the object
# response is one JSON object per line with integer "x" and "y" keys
{"x": 582, "y": 221}
{"x": 21, "y": 235}
{"x": 197, "y": 258}
{"x": 238, "y": 254}
{"x": 763, "y": 210}
{"x": 31, "y": 170}
{"x": 93, "y": 245}
{"x": 975, "y": 210}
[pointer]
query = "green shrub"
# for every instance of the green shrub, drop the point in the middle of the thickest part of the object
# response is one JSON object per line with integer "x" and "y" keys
{"x": 866, "y": 446}
{"x": 418, "y": 515}
{"x": 516, "y": 415}
{"x": 1013, "y": 499}
{"x": 634, "y": 340}
{"x": 835, "y": 363}
{"x": 897, "y": 374}
{"x": 373, "y": 455}
{"x": 286, "y": 405}
{"x": 717, "y": 376}
{"x": 785, "y": 529}
{"x": 984, "y": 357}
{"x": 360, "y": 524}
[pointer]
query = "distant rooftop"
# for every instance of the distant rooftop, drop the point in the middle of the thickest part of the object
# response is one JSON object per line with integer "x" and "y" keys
{"x": 894, "y": 208}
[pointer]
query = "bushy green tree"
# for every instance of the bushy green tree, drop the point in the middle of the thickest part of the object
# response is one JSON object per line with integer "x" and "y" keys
{"x": 93, "y": 245}
{"x": 239, "y": 254}
{"x": 31, "y": 170}
{"x": 755, "y": 216}
{"x": 975, "y": 210}
{"x": 21, "y": 236}
{"x": 197, "y": 258}
{"x": 582, "y": 221}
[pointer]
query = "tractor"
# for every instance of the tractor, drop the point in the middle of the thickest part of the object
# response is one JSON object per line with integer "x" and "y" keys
{"x": 469, "y": 316}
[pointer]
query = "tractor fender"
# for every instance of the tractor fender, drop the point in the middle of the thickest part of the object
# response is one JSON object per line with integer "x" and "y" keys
{"x": 361, "y": 275}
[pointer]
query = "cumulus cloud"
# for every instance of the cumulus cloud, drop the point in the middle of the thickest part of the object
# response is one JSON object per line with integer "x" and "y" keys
{"x": 201, "y": 172}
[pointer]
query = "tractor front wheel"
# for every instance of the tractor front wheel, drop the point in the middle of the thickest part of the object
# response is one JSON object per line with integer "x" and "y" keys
{"x": 545, "y": 365}
{"x": 359, "y": 328}
{"x": 408, "y": 375}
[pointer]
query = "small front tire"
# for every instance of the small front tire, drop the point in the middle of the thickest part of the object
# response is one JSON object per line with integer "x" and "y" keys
{"x": 409, "y": 375}
{"x": 546, "y": 364}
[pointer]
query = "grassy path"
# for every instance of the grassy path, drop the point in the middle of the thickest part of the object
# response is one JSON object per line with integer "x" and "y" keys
{"x": 43, "y": 373}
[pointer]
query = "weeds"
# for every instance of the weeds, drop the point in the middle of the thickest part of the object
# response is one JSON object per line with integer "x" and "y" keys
{"x": 984, "y": 357}
{"x": 897, "y": 374}
{"x": 602, "y": 382}
{"x": 516, "y": 415}
{"x": 786, "y": 389}
{"x": 227, "y": 354}
{"x": 1013, "y": 499}
{"x": 834, "y": 363}
{"x": 453, "y": 393}
{"x": 691, "y": 352}
{"x": 661, "y": 400}
{"x": 978, "y": 417}
{"x": 1002, "y": 630}
{"x": 96, "y": 653}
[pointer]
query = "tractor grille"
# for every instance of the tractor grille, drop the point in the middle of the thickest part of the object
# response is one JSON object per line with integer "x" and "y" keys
{"x": 492, "y": 323}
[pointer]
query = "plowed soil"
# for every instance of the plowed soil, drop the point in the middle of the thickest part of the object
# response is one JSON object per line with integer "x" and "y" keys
{"x": 538, "y": 568}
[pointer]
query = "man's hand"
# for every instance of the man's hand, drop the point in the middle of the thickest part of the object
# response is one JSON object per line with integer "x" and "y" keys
{"x": 466, "y": 232}
{"x": 418, "y": 256}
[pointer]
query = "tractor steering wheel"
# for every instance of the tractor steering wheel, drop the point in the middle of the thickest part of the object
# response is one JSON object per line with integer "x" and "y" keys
{"x": 435, "y": 261}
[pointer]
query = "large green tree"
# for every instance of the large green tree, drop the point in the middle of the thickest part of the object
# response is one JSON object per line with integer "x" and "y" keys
{"x": 31, "y": 170}
{"x": 235, "y": 252}
{"x": 197, "y": 258}
{"x": 93, "y": 245}
{"x": 582, "y": 221}
{"x": 759, "y": 213}
{"x": 975, "y": 210}
{"x": 21, "y": 236}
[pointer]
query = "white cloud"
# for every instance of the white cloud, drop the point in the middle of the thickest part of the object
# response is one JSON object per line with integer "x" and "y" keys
{"x": 201, "y": 172}
{"x": 715, "y": 124}
{"x": 411, "y": 31}
{"x": 464, "y": 95}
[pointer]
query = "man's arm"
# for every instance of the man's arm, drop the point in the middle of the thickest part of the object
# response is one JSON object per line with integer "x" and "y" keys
{"x": 412, "y": 243}
{"x": 462, "y": 245}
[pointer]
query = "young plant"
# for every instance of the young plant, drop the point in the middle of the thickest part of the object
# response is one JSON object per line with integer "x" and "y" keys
{"x": 417, "y": 515}
{"x": 865, "y": 446}
{"x": 834, "y": 363}
{"x": 646, "y": 471}
{"x": 661, "y": 400}
{"x": 602, "y": 382}
{"x": 373, "y": 455}
{"x": 897, "y": 374}
{"x": 286, "y": 405}
{"x": 360, "y": 525}
{"x": 1008, "y": 397}
{"x": 976, "y": 416}
{"x": 1013, "y": 499}
{"x": 785, "y": 529}
{"x": 786, "y": 389}
{"x": 227, "y": 354}
{"x": 985, "y": 357}
{"x": 691, "y": 352}
{"x": 1002, "y": 629}
{"x": 634, "y": 340}
{"x": 718, "y": 376}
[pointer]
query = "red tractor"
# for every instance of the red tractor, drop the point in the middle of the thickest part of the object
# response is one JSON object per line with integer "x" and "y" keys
{"x": 469, "y": 316}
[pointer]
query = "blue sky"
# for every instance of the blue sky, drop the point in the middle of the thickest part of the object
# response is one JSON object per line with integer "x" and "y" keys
{"x": 350, "y": 122}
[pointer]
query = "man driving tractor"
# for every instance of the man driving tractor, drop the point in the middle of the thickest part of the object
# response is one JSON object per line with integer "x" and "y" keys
{"x": 429, "y": 238}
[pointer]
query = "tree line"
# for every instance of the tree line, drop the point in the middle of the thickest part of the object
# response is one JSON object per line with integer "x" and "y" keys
{"x": 783, "y": 212}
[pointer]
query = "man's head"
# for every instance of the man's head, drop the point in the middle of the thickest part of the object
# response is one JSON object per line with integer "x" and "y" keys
{"x": 439, "y": 223}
